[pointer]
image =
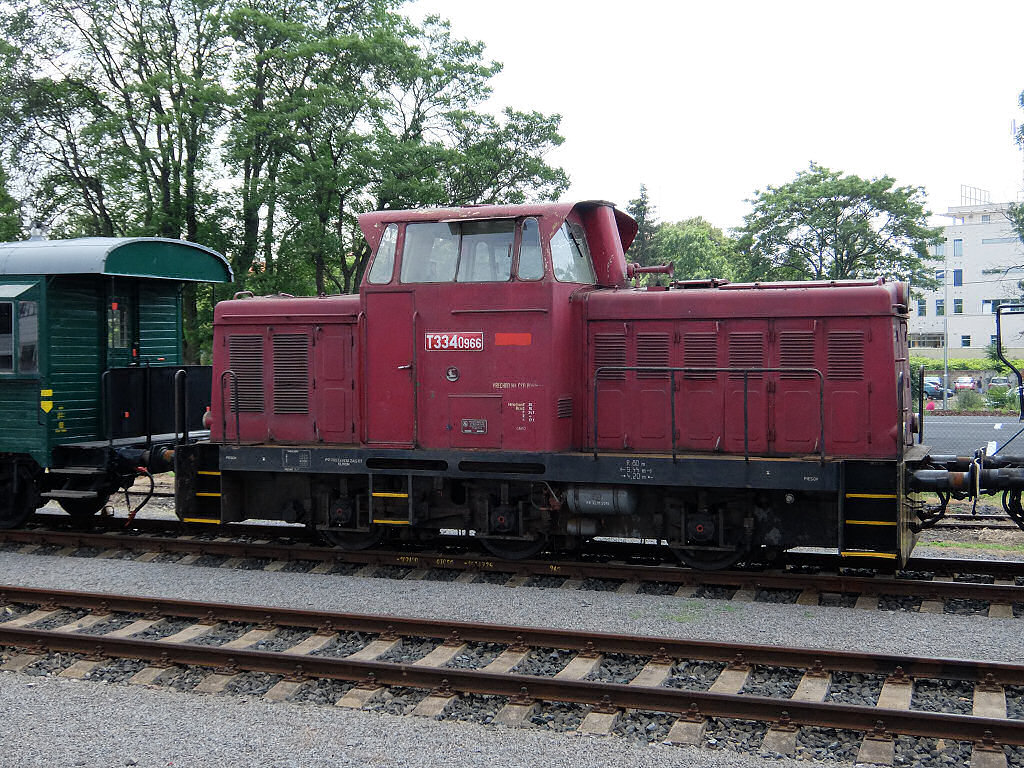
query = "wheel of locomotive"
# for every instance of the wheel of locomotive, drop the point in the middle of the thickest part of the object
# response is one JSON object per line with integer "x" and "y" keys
{"x": 353, "y": 541}
{"x": 513, "y": 549}
{"x": 707, "y": 560}
{"x": 16, "y": 506}
{"x": 82, "y": 510}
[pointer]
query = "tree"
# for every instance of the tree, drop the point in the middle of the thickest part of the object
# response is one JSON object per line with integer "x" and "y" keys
{"x": 696, "y": 249}
{"x": 10, "y": 213}
{"x": 827, "y": 226}
{"x": 644, "y": 212}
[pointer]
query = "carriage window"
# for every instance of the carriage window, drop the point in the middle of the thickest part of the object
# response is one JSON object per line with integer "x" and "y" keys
{"x": 384, "y": 262}
{"x": 28, "y": 337}
{"x": 570, "y": 257}
{"x": 531, "y": 260}
{"x": 469, "y": 251}
{"x": 117, "y": 325}
{"x": 6, "y": 337}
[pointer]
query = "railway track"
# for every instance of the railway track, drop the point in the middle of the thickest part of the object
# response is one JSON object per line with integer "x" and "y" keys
{"x": 992, "y": 587}
{"x": 610, "y": 676}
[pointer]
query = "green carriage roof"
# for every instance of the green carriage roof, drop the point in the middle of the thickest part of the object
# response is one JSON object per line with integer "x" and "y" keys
{"x": 154, "y": 257}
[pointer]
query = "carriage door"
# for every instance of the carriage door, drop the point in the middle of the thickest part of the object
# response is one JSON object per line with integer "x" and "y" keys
{"x": 390, "y": 368}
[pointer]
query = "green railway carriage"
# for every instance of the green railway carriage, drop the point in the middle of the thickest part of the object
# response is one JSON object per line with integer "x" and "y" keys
{"x": 90, "y": 354}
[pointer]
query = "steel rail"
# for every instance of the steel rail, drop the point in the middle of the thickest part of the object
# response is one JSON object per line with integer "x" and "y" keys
{"x": 1004, "y": 594}
{"x": 447, "y": 681}
{"x": 594, "y": 642}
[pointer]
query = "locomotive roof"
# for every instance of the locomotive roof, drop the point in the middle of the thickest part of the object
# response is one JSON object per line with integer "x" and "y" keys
{"x": 154, "y": 257}
{"x": 551, "y": 215}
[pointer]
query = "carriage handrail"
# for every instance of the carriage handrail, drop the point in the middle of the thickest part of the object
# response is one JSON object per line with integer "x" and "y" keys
{"x": 234, "y": 403}
{"x": 747, "y": 372}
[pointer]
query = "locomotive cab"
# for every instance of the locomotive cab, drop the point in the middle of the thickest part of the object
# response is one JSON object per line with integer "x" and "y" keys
{"x": 468, "y": 319}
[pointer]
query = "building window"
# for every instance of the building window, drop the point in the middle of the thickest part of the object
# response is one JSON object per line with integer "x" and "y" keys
{"x": 965, "y": 341}
{"x": 958, "y": 277}
{"x": 958, "y": 306}
{"x": 926, "y": 340}
{"x": 940, "y": 307}
{"x": 986, "y": 218}
{"x": 940, "y": 274}
{"x": 958, "y": 248}
{"x": 922, "y": 307}
{"x": 940, "y": 249}
{"x": 988, "y": 306}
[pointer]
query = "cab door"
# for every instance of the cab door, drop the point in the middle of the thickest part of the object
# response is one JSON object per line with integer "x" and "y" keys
{"x": 390, "y": 368}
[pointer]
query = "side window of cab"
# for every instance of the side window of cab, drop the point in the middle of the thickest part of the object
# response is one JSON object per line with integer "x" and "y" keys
{"x": 531, "y": 259}
{"x": 384, "y": 262}
{"x": 570, "y": 256}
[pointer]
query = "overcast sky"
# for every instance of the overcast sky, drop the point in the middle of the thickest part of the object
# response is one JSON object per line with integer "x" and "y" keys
{"x": 707, "y": 102}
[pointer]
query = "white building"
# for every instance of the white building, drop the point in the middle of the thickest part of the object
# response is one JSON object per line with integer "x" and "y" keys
{"x": 981, "y": 264}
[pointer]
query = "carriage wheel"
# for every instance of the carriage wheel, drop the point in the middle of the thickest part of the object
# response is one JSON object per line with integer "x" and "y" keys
{"x": 16, "y": 504}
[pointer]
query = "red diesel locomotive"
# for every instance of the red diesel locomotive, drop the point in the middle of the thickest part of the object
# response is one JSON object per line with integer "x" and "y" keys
{"x": 498, "y": 375}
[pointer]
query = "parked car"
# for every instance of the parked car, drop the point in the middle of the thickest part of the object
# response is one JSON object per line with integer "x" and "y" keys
{"x": 999, "y": 382}
{"x": 963, "y": 382}
{"x": 932, "y": 390}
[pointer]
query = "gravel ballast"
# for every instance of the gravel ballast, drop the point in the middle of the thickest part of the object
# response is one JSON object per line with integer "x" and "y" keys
{"x": 114, "y": 723}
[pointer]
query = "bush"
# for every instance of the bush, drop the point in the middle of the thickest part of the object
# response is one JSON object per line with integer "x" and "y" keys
{"x": 1003, "y": 399}
{"x": 968, "y": 400}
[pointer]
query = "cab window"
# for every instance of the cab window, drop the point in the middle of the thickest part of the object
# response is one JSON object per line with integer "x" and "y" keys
{"x": 531, "y": 260}
{"x": 570, "y": 257}
{"x": 384, "y": 262}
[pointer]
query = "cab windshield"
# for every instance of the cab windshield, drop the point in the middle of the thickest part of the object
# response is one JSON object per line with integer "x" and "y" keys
{"x": 464, "y": 252}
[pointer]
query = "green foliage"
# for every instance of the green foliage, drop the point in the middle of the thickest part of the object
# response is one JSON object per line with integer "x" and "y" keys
{"x": 261, "y": 128}
{"x": 968, "y": 400}
{"x": 643, "y": 250}
{"x": 827, "y": 226}
{"x": 960, "y": 364}
{"x": 10, "y": 213}
{"x": 696, "y": 249}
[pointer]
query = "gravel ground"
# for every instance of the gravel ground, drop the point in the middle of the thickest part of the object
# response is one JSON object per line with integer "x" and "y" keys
{"x": 104, "y": 724}
{"x": 68, "y": 723}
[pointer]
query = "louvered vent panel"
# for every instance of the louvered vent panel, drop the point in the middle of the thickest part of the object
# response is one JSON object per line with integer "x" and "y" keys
{"x": 700, "y": 350}
{"x": 796, "y": 350}
{"x": 291, "y": 373}
{"x": 610, "y": 349}
{"x": 565, "y": 407}
{"x": 746, "y": 350}
{"x": 652, "y": 350}
{"x": 846, "y": 356}
{"x": 245, "y": 357}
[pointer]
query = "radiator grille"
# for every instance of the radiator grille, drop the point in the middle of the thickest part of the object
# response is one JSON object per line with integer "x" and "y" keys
{"x": 610, "y": 349}
{"x": 846, "y": 355}
{"x": 565, "y": 407}
{"x": 746, "y": 350}
{"x": 291, "y": 373}
{"x": 796, "y": 350}
{"x": 245, "y": 358}
{"x": 652, "y": 350}
{"x": 700, "y": 350}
